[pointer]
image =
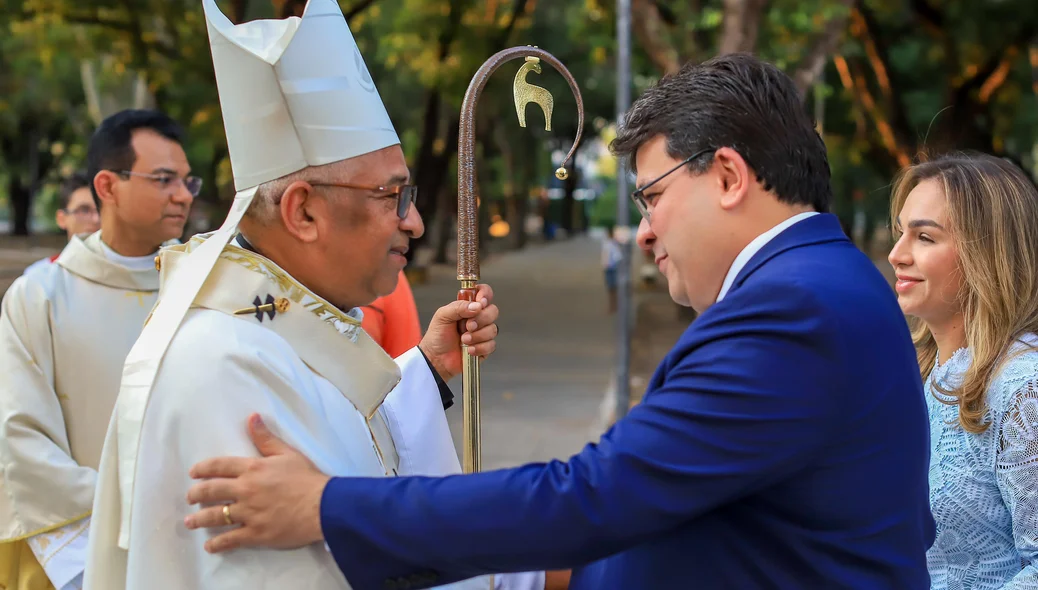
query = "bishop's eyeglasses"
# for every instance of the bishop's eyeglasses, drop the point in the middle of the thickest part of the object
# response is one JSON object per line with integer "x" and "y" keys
{"x": 405, "y": 194}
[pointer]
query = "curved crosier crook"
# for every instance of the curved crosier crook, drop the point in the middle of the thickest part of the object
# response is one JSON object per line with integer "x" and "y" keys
{"x": 468, "y": 232}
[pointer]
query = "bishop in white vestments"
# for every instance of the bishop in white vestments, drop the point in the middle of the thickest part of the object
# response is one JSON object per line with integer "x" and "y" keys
{"x": 260, "y": 316}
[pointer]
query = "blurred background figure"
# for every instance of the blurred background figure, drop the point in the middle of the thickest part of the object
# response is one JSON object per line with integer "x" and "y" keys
{"x": 392, "y": 320}
{"x": 76, "y": 215}
{"x": 611, "y": 257}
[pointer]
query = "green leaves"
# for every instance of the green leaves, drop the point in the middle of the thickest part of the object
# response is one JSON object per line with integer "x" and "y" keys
{"x": 890, "y": 77}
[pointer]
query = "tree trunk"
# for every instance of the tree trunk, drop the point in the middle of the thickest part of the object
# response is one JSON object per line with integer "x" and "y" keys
{"x": 21, "y": 204}
{"x": 649, "y": 29}
{"x": 290, "y": 8}
{"x": 517, "y": 187}
{"x": 824, "y": 44}
{"x": 432, "y": 182}
{"x": 142, "y": 97}
{"x": 522, "y": 211}
{"x": 22, "y": 152}
{"x": 430, "y": 168}
{"x": 239, "y": 9}
{"x": 483, "y": 184}
{"x": 448, "y": 198}
{"x": 568, "y": 202}
{"x": 90, "y": 91}
{"x": 741, "y": 25}
{"x": 429, "y": 165}
{"x": 1034, "y": 64}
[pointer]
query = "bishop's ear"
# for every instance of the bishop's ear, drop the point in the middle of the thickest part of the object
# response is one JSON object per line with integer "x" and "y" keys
{"x": 301, "y": 211}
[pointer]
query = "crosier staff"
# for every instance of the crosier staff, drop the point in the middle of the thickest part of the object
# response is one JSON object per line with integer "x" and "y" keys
{"x": 468, "y": 232}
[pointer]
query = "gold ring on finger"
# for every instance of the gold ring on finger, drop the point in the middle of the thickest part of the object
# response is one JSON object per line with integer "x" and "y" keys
{"x": 227, "y": 515}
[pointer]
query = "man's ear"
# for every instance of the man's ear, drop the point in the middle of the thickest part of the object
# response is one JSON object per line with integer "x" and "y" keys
{"x": 301, "y": 211}
{"x": 734, "y": 176}
{"x": 61, "y": 219}
{"x": 104, "y": 184}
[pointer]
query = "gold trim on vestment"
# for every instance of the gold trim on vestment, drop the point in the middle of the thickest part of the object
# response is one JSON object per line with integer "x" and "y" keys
{"x": 290, "y": 287}
{"x": 66, "y": 543}
{"x": 344, "y": 324}
{"x": 47, "y": 529}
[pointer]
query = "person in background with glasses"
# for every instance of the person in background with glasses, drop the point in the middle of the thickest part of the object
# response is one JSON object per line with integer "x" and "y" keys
{"x": 65, "y": 331}
{"x": 782, "y": 443}
{"x": 77, "y": 213}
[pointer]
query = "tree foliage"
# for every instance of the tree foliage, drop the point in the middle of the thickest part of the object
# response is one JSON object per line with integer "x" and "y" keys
{"x": 887, "y": 79}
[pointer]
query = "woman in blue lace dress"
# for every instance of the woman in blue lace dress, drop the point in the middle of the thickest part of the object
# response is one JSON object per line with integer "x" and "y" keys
{"x": 966, "y": 261}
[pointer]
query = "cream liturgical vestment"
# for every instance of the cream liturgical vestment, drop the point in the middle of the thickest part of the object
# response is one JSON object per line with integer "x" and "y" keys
{"x": 65, "y": 331}
{"x": 256, "y": 340}
{"x": 232, "y": 334}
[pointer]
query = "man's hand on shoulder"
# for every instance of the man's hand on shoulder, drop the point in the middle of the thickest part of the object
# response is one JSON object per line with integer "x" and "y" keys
{"x": 443, "y": 340}
{"x": 272, "y": 501}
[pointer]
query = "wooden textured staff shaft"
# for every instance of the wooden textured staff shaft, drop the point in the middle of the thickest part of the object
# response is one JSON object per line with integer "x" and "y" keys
{"x": 468, "y": 230}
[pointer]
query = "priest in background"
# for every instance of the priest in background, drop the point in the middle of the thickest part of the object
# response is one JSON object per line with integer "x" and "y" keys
{"x": 261, "y": 316}
{"x": 65, "y": 330}
{"x": 76, "y": 215}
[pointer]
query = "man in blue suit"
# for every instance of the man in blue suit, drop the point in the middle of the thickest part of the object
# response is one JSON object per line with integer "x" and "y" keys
{"x": 782, "y": 443}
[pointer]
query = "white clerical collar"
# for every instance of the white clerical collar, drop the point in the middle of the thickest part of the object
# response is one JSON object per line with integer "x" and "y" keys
{"x": 130, "y": 262}
{"x": 754, "y": 247}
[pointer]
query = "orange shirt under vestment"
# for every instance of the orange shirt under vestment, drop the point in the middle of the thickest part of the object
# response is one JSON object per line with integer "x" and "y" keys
{"x": 392, "y": 320}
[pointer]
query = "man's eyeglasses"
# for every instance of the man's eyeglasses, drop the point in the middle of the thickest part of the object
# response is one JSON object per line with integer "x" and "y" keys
{"x": 638, "y": 196}
{"x": 405, "y": 194}
{"x": 82, "y": 211}
{"x": 193, "y": 184}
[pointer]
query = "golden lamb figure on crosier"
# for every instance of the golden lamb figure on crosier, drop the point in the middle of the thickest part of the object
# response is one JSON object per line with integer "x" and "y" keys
{"x": 525, "y": 93}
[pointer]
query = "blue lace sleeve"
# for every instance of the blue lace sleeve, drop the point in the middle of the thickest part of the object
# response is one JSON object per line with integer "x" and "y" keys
{"x": 1017, "y": 475}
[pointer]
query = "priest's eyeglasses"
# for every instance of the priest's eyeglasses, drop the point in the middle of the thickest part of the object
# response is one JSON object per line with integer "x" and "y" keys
{"x": 405, "y": 194}
{"x": 638, "y": 196}
{"x": 82, "y": 211}
{"x": 193, "y": 184}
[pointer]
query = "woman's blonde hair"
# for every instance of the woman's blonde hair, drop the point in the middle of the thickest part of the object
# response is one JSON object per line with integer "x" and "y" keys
{"x": 993, "y": 218}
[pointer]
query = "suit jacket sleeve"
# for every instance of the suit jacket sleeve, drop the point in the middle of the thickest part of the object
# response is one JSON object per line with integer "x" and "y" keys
{"x": 743, "y": 401}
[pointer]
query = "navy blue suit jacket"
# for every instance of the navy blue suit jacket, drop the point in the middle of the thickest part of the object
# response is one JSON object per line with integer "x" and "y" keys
{"x": 782, "y": 443}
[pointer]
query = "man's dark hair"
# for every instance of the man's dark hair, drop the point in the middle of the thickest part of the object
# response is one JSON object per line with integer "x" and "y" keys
{"x": 111, "y": 148}
{"x": 740, "y": 102}
{"x": 73, "y": 183}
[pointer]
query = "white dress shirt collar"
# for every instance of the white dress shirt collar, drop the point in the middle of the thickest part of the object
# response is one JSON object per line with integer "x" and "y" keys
{"x": 754, "y": 247}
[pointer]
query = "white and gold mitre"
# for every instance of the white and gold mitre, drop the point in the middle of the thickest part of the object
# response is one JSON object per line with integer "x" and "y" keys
{"x": 294, "y": 93}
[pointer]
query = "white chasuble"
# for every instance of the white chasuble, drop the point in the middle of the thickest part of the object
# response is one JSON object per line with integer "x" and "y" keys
{"x": 255, "y": 340}
{"x": 65, "y": 331}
